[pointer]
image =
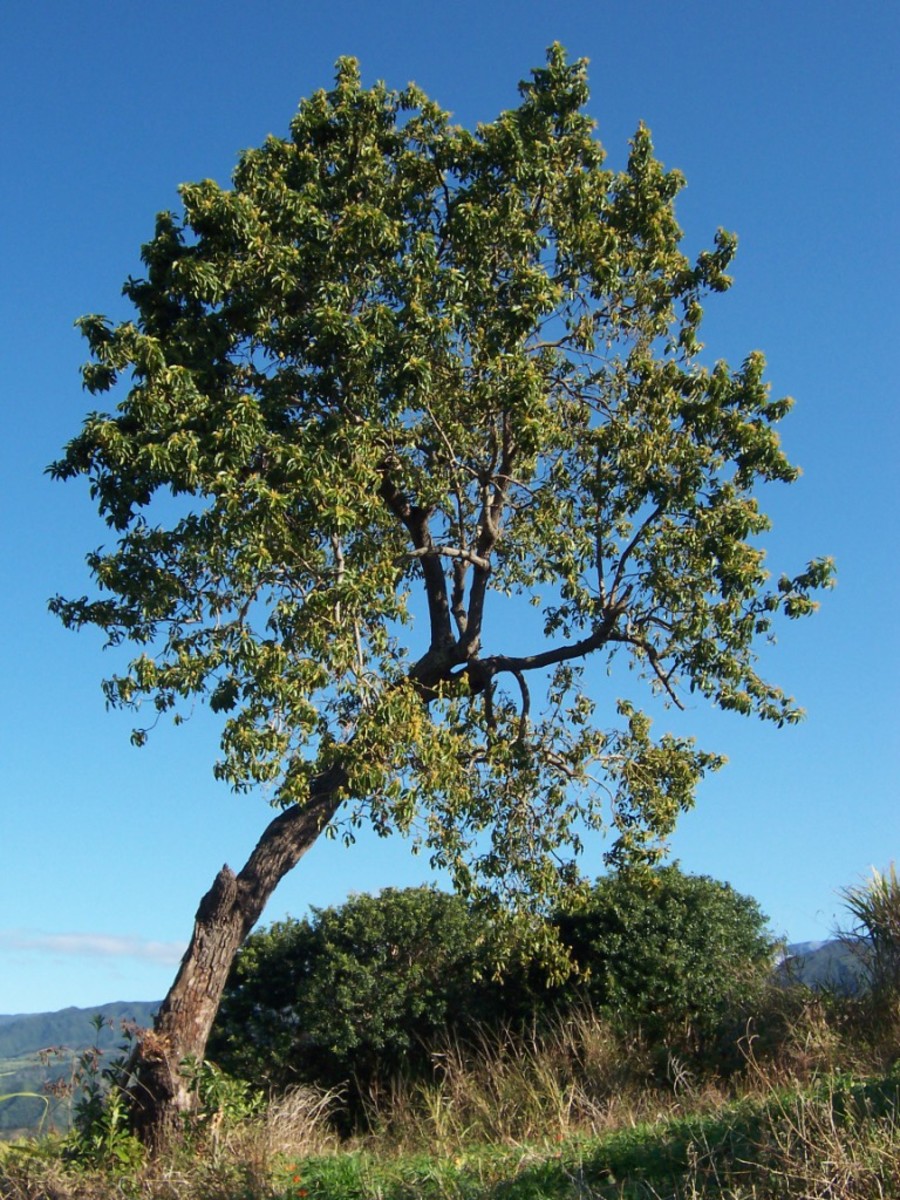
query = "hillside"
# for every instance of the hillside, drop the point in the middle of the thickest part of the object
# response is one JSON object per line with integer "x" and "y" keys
{"x": 24, "y": 1068}
{"x": 832, "y": 964}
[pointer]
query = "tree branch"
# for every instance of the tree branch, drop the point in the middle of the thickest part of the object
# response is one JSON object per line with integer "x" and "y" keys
{"x": 450, "y": 552}
{"x": 629, "y": 549}
{"x": 415, "y": 520}
{"x": 655, "y": 659}
{"x": 495, "y": 495}
{"x": 526, "y": 703}
{"x": 549, "y": 658}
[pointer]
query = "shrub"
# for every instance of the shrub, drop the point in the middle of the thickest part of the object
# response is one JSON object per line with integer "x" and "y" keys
{"x": 679, "y": 955}
{"x": 361, "y": 992}
{"x": 875, "y": 939}
{"x": 354, "y": 992}
{"x": 875, "y": 935}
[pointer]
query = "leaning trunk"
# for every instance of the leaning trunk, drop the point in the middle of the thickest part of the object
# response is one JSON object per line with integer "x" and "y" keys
{"x": 160, "y": 1094}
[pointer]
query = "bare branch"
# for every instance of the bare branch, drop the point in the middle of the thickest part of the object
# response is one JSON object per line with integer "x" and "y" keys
{"x": 526, "y": 703}
{"x": 495, "y": 498}
{"x": 656, "y": 662}
{"x": 433, "y": 551}
{"x": 632, "y": 545}
{"x": 549, "y": 658}
{"x": 564, "y": 768}
{"x": 338, "y": 549}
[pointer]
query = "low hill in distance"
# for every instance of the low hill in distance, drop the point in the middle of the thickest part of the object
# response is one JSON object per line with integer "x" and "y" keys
{"x": 833, "y": 964}
{"x": 41, "y": 1048}
{"x": 27, "y": 1033}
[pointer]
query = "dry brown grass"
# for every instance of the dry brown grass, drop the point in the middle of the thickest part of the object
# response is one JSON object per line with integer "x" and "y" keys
{"x": 218, "y": 1161}
{"x": 581, "y": 1079}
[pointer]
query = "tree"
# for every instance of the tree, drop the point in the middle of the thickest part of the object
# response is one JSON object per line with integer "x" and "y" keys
{"x": 403, "y": 369}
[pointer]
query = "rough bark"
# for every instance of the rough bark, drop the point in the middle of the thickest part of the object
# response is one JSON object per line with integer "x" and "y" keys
{"x": 160, "y": 1095}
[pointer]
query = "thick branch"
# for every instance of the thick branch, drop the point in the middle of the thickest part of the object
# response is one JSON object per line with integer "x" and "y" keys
{"x": 450, "y": 552}
{"x": 458, "y": 598}
{"x": 495, "y": 499}
{"x": 475, "y": 613}
{"x": 526, "y": 703}
{"x": 286, "y": 839}
{"x": 160, "y": 1092}
{"x": 415, "y": 520}
{"x": 497, "y": 663}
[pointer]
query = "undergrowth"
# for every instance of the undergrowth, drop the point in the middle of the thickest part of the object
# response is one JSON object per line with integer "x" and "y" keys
{"x": 582, "y": 1110}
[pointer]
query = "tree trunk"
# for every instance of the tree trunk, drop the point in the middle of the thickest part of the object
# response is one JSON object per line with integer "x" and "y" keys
{"x": 160, "y": 1095}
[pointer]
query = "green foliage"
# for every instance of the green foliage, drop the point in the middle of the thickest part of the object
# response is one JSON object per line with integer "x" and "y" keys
{"x": 875, "y": 908}
{"x": 355, "y": 992}
{"x": 101, "y": 1136}
{"x": 677, "y": 954}
{"x": 402, "y": 369}
{"x": 366, "y": 991}
{"x": 222, "y": 1100}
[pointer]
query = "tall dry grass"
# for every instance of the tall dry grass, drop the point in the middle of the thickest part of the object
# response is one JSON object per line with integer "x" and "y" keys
{"x": 788, "y": 1123}
{"x": 580, "y": 1076}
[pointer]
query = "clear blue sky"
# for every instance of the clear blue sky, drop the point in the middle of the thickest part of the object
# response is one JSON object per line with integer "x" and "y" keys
{"x": 783, "y": 117}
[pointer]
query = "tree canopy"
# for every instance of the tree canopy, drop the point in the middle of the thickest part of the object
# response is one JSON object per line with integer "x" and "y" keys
{"x": 398, "y": 379}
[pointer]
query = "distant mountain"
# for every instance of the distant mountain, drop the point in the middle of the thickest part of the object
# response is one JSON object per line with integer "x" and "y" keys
{"x": 828, "y": 964}
{"x": 71, "y": 1027}
{"x": 25, "y": 1068}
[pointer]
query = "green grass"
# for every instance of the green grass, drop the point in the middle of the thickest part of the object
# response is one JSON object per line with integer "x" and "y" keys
{"x": 575, "y": 1116}
{"x": 638, "y": 1160}
{"x": 838, "y": 1138}
{"x": 781, "y": 1145}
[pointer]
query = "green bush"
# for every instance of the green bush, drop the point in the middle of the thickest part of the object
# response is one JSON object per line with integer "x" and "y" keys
{"x": 361, "y": 992}
{"x": 682, "y": 956}
{"x": 354, "y": 992}
{"x": 875, "y": 935}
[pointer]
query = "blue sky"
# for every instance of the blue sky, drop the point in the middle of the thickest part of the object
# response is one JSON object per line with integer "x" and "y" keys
{"x": 782, "y": 116}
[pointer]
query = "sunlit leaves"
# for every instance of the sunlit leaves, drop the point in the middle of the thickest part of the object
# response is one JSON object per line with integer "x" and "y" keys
{"x": 401, "y": 367}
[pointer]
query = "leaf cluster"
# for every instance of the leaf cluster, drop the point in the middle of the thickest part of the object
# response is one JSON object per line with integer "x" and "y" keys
{"x": 875, "y": 935}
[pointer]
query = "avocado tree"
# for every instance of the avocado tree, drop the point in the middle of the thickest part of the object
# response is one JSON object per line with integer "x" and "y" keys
{"x": 400, "y": 378}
